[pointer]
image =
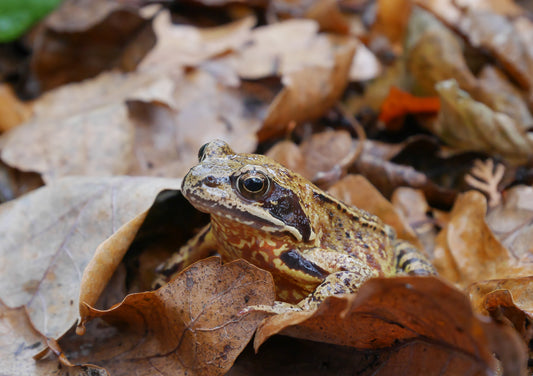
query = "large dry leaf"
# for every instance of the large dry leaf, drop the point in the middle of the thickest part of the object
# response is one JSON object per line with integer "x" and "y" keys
{"x": 309, "y": 92}
{"x": 19, "y": 342}
{"x": 282, "y": 48}
{"x": 434, "y": 54}
{"x": 191, "y": 326}
{"x": 497, "y": 92}
{"x": 319, "y": 154}
{"x": 12, "y": 110}
{"x": 387, "y": 312}
{"x": 498, "y": 35}
{"x": 82, "y": 129}
{"x": 512, "y": 222}
{"x": 84, "y": 38}
{"x": 467, "y": 251}
{"x": 50, "y": 235}
{"x": 181, "y": 45}
{"x": 470, "y": 125}
{"x": 204, "y": 109}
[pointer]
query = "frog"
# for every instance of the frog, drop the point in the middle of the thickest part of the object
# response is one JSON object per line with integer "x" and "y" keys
{"x": 313, "y": 244}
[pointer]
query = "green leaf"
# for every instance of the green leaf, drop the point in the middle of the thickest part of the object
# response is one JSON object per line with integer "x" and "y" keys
{"x": 16, "y": 16}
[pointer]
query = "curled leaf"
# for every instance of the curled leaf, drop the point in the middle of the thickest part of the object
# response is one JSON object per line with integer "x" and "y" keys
{"x": 310, "y": 91}
{"x": 189, "y": 326}
{"x": 470, "y": 125}
{"x": 390, "y": 311}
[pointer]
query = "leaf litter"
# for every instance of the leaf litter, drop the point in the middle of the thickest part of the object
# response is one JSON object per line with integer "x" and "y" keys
{"x": 269, "y": 78}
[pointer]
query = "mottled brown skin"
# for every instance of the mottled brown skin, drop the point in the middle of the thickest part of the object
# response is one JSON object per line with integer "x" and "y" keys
{"x": 313, "y": 244}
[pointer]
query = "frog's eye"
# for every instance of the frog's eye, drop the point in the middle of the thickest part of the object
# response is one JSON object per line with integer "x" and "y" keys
{"x": 201, "y": 152}
{"x": 253, "y": 184}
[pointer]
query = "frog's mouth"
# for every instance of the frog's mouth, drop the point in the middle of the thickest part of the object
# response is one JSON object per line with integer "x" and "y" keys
{"x": 244, "y": 215}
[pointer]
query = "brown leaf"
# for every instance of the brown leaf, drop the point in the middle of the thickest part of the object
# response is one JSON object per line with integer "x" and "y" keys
{"x": 12, "y": 111}
{"x": 321, "y": 153}
{"x": 506, "y": 300}
{"x": 189, "y": 326}
{"x": 182, "y": 45}
{"x": 413, "y": 206}
{"x": 90, "y": 136}
{"x": 309, "y": 92}
{"x": 167, "y": 140}
{"x": 282, "y": 48}
{"x": 50, "y": 235}
{"x": 497, "y": 92}
{"x": 20, "y": 342}
{"x": 391, "y": 21}
{"x": 467, "y": 124}
{"x": 390, "y": 311}
{"x": 467, "y": 251}
{"x": 499, "y": 36}
{"x": 434, "y": 54}
{"x": 511, "y": 222}
{"x": 84, "y": 38}
{"x": 357, "y": 191}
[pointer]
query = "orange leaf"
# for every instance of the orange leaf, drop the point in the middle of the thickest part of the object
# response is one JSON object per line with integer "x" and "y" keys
{"x": 389, "y": 312}
{"x": 189, "y": 326}
{"x": 400, "y": 103}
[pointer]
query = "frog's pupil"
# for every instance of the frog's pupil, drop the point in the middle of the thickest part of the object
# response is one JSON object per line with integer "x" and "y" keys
{"x": 254, "y": 184}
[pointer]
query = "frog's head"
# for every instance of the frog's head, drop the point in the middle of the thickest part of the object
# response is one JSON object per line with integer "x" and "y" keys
{"x": 250, "y": 189}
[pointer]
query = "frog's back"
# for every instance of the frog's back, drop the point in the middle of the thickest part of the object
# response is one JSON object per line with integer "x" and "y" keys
{"x": 355, "y": 232}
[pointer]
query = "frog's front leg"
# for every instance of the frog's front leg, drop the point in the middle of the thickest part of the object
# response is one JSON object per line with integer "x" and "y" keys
{"x": 347, "y": 274}
{"x": 410, "y": 260}
{"x": 198, "y": 247}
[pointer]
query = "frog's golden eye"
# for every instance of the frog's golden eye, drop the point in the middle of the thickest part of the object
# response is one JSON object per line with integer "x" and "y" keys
{"x": 253, "y": 184}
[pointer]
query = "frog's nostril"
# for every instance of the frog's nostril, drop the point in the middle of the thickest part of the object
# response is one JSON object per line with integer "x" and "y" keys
{"x": 210, "y": 181}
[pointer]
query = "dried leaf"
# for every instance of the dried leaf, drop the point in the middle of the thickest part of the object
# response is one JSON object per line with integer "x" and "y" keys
{"x": 498, "y": 35}
{"x": 470, "y": 125}
{"x": 512, "y": 222}
{"x": 497, "y": 92}
{"x": 189, "y": 326}
{"x": 167, "y": 140}
{"x": 434, "y": 54}
{"x": 181, "y": 45}
{"x": 90, "y": 136}
{"x": 20, "y": 342}
{"x": 467, "y": 251}
{"x": 283, "y": 48}
{"x": 309, "y": 92}
{"x": 413, "y": 206}
{"x": 75, "y": 43}
{"x": 388, "y": 312}
{"x": 50, "y": 235}
{"x": 12, "y": 111}
{"x": 392, "y": 17}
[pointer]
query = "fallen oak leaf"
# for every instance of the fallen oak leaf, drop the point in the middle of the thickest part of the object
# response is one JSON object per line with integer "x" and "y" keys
{"x": 390, "y": 311}
{"x": 19, "y": 344}
{"x": 400, "y": 103}
{"x": 309, "y": 92}
{"x": 467, "y": 124}
{"x": 189, "y": 326}
{"x": 467, "y": 251}
{"x": 50, "y": 235}
{"x": 90, "y": 136}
